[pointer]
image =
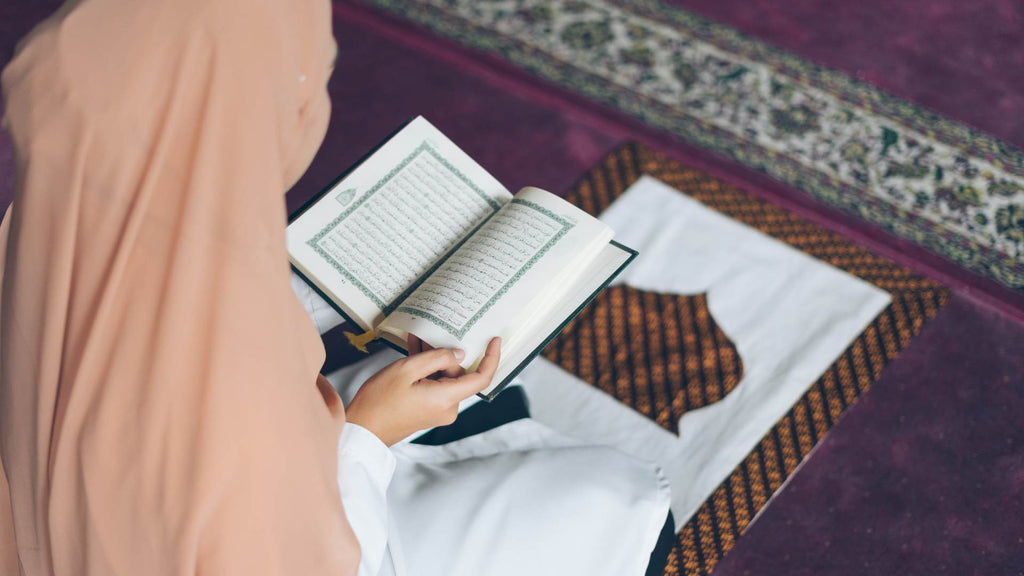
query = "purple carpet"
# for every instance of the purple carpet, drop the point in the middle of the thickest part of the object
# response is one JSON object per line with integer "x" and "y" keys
{"x": 930, "y": 462}
{"x": 924, "y": 475}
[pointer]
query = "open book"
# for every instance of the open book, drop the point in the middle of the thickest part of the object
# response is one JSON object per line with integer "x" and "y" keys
{"x": 419, "y": 239}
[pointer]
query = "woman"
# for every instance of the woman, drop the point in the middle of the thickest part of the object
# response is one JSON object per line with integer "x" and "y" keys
{"x": 160, "y": 411}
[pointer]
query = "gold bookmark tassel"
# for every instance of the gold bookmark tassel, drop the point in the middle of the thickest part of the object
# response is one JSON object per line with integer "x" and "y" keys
{"x": 360, "y": 341}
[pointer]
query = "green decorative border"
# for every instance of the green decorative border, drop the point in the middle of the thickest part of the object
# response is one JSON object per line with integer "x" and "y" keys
{"x": 460, "y": 332}
{"x": 973, "y": 142}
{"x": 315, "y": 240}
{"x": 977, "y": 251}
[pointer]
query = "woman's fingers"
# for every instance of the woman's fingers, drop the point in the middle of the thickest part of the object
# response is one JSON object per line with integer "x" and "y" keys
{"x": 453, "y": 372}
{"x": 402, "y": 398}
{"x": 427, "y": 363}
{"x": 415, "y": 346}
{"x": 469, "y": 384}
{"x": 492, "y": 357}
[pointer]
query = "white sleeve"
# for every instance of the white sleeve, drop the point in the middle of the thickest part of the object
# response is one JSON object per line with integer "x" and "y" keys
{"x": 365, "y": 467}
{"x": 324, "y": 316}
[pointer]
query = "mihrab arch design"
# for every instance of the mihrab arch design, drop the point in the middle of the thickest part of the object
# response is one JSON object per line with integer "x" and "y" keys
{"x": 661, "y": 354}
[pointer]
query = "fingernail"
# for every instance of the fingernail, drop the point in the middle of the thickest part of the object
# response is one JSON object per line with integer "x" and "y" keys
{"x": 459, "y": 354}
{"x": 498, "y": 340}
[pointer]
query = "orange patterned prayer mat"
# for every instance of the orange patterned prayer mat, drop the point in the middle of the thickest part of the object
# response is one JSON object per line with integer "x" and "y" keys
{"x": 663, "y": 355}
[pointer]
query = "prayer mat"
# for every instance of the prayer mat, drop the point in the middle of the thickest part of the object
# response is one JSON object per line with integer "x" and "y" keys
{"x": 667, "y": 357}
{"x": 938, "y": 183}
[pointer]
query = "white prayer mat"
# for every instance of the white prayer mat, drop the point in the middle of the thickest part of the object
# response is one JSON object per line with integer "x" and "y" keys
{"x": 728, "y": 349}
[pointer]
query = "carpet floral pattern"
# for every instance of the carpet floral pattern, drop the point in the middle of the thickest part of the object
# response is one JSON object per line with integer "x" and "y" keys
{"x": 951, "y": 189}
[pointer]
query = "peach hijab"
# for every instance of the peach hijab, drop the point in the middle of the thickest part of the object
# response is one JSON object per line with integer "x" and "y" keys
{"x": 159, "y": 413}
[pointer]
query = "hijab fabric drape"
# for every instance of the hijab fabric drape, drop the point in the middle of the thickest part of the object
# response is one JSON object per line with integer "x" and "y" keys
{"x": 158, "y": 404}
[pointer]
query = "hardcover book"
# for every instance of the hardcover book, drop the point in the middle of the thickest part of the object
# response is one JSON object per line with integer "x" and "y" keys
{"x": 418, "y": 238}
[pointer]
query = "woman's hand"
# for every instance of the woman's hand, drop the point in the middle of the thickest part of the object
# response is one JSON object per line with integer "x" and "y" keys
{"x": 419, "y": 392}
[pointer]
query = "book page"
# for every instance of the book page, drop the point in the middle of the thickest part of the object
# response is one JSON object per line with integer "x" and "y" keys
{"x": 480, "y": 290}
{"x": 541, "y": 327}
{"x": 369, "y": 240}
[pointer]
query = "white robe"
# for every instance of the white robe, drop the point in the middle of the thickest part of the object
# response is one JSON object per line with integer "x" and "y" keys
{"x": 518, "y": 499}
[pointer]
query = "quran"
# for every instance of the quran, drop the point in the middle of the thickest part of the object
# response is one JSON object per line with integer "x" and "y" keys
{"x": 417, "y": 238}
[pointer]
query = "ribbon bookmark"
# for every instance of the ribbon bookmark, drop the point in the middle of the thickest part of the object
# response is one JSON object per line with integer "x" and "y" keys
{"x": 360, "y": 341}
